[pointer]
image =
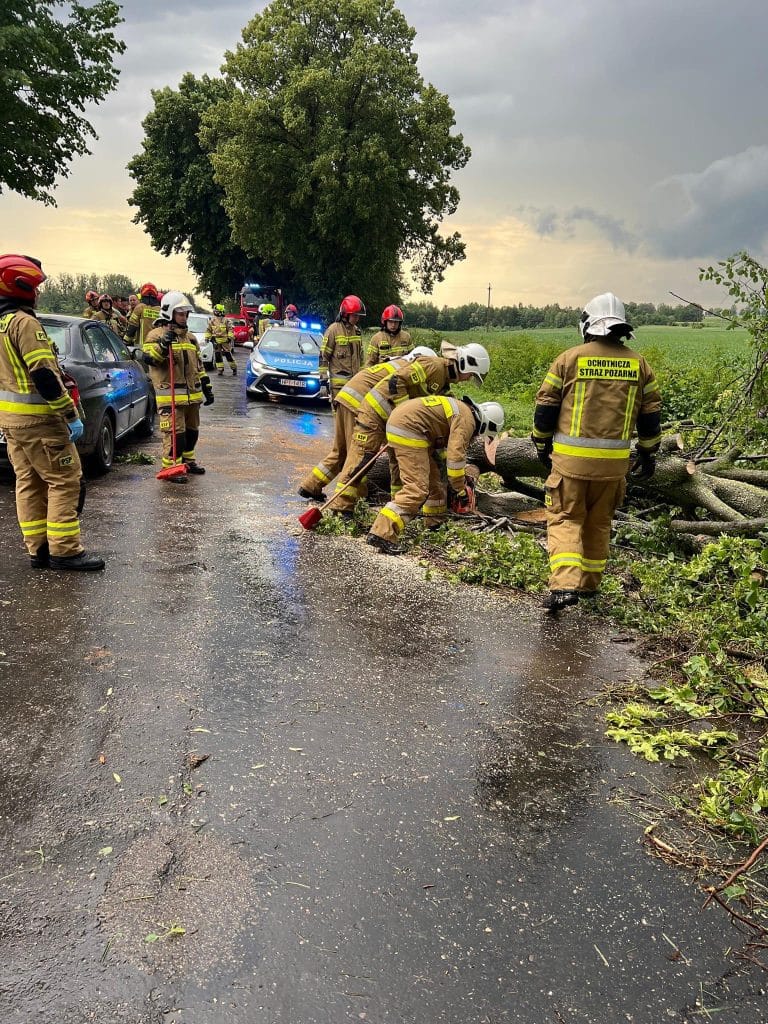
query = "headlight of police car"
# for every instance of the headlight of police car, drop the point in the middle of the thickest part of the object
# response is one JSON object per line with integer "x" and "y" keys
{"x": 257, "y": 360}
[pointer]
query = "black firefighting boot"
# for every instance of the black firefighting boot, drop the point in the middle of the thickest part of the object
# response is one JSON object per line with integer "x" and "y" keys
{"x": 556, "y": 600}
{"x": 77, "y": 563}
{"x": 41, "y": 558}
{"x": 194, "y": 467}
{"x": 188, "y": 452}
{"x": 304, "y": 493}
{"x": 386, "y": 547}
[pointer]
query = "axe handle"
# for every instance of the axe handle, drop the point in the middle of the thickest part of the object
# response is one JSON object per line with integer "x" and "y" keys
{"x": 355, "y": 476}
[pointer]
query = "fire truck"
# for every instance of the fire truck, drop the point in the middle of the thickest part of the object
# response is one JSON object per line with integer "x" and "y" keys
{"x": 251, "y": 296}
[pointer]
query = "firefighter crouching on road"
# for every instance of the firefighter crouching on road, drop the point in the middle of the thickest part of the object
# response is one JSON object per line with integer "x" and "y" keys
{"x": 220, "y": 331}
{"x": 586, "y": 410}
{"x": 41, "y": 425}
{"x": 143, "y": 316}
{"x": 420, "y": 373}
{"x": 391, "y": 341}
{"x": 191, "y": 382}
{"x": 347, "y": 407}
{"x": 341, "y": 351}
{"x": 424, "y": 433}
{"x": 110, "y": 316}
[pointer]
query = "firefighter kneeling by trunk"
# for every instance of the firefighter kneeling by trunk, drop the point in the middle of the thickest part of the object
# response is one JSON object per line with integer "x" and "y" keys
{"x": 168, "y": 340}
{"x": 586, "y": 411}
{"x": 424, "y": 434}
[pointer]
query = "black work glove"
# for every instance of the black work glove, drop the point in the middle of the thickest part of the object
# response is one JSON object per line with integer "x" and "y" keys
{"x": 644, "y": 465}
{"x": 543, "y": 447}
{"x": 208, "y": 392}
{"x": 167, "y": 339}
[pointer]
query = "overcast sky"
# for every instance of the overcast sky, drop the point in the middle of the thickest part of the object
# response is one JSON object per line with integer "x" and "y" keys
{"x": 616, "y": 144}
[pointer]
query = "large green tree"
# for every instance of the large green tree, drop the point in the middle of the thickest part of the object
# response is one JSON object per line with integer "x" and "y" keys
{"x": 179, "y": 203}
{"x": 335, "y": 157}
{"x": 50, "y": 67}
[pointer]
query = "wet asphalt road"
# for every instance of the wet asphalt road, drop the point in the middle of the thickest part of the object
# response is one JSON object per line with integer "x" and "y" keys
{"x": 364, "y": 794}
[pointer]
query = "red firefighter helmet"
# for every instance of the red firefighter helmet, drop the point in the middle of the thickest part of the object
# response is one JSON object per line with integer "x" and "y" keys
{"x": 391, "y": 313}
{"x": 20, "y": 277}
{"x": 90, "y": 295}
{"x": 149, "y": 289}
{"x": 290, "y": 308}
{"x": 351, "y": 305}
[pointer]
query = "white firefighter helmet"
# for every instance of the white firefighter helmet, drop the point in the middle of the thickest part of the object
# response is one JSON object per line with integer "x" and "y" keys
{"x": 474, "y": 359}
{"x": 601, "y": 314}
{"x": 172, "y": 302}
{"x": 420, "y": 350}
{"x": 489, "y": 417}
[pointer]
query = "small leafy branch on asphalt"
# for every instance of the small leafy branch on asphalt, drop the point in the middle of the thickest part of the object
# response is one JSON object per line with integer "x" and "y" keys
{"x": 173, "y": 931}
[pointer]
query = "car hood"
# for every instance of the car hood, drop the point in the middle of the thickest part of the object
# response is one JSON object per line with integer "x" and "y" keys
{"x": 290, "y": 361}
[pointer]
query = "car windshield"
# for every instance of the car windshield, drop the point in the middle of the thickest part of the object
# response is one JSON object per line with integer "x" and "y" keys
{"x": 59, "y": 335}
{"x": 198, "y": 324}
{"x": 290, "y": 340}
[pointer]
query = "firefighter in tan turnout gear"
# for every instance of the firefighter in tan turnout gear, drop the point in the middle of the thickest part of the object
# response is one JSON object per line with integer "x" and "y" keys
{"x": 391, "y": 341}
{"x": 41, "y": 424}
{"x": 341, "y": 351}
{"x": 143, "y": 315}
{"x": 110, "y": 316}
{"x": 587, "y": 408}
{"x": 418, "y": 374}
{"x": 425, "y": 434}
{"x": 191, "y": 382}
{"x": 221, "y": 333}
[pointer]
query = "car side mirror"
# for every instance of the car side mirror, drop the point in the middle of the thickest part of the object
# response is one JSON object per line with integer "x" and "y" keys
{"x": 249, "y": 345}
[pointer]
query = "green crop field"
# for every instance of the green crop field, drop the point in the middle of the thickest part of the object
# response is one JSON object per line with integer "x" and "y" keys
{"x": 519, "y": 360}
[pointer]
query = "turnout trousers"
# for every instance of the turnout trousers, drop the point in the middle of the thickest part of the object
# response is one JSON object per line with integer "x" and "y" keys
{"x": 222, "y": 352}
{"x": 48, "y": 476}
{"x": 187, "y": 433}
{"x": 418, "y": 485}
{"x": 325, "y": 471}
{"x": 579, "y": 515}
{"x": 368, "y": 436}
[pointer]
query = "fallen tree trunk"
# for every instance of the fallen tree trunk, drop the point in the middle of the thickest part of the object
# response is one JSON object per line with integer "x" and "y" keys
{"x": 727, "y": 494}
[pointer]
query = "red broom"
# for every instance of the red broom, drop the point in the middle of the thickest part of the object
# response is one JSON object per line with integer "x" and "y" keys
{"x": 312, "y": 516}
{"x": 174, "y": 471}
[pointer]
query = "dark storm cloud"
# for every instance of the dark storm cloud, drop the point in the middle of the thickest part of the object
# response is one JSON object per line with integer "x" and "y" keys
{"x": 716, "y": 212}
{"x": 563, "y": 224}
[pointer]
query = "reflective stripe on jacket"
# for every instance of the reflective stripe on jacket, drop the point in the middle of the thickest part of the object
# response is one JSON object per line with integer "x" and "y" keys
{"x": 590, "y": 402}
{"x": 353, "y": 393}
{"x": 188, "y": 371}
{"x": 425, "y": 375}
{"x": 24, "y": 347}
{"x": 341, "y": 353}
{"x": 437, "y": 423}
{"x": 383, "y": 347}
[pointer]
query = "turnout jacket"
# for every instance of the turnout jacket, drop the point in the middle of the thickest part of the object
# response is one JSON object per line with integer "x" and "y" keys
{"x": 115, "y": 320}
{"x": 384, "y": 346}
{"x": 437, "y": 423}
{"x": 589, "y": 404}
{"x": 220, "y": 330}
{"x": 31, "y": 389}
{"x": 341, "y": 353}
{"x": 425, "y": 375}
{"x": 353, "y": 393}
{"x": 141, "y": 322}
{"x": 188, "y": 371}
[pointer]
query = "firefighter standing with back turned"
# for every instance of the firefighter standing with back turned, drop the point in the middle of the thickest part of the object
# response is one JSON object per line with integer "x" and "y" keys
{"x": 221, "y": 333}
{"x": 586, "y": 410}
{"x": 143, "y": 315}
{"x": 191, "y": 382}
{"x": 41, "y": 425}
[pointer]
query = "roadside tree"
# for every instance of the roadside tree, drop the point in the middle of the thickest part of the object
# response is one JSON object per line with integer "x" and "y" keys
{"x": 335, "y": 157}
{"x": 51, "y": 68}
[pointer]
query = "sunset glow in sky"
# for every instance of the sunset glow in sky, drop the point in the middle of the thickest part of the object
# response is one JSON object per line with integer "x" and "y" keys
{"x": 616, "y": 146}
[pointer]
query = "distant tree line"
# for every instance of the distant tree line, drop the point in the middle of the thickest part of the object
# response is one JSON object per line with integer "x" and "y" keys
{"x": 474, "y": 314}
{"x": 66, "y": 293}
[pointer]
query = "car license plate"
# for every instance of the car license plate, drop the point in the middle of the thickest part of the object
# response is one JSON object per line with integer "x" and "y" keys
{"x": 291, "y": 382}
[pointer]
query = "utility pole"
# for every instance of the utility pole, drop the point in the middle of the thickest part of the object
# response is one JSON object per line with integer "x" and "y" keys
{"x": 488, "y": 311}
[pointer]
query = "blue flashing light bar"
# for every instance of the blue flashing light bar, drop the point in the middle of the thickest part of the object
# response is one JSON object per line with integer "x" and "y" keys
{"x": 315, "y": 327}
